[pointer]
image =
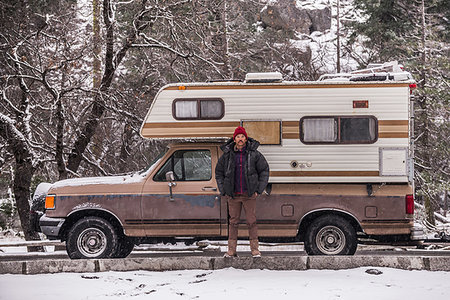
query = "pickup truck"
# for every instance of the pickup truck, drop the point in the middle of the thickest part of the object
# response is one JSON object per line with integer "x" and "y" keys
{"x": 177, "y": 197}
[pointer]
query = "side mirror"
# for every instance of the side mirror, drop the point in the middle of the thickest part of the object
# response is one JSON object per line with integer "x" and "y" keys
{"x": 171, "y": 178}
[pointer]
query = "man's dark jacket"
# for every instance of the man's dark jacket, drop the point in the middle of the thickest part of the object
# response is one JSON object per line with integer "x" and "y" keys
{"x": 256, "y": 170}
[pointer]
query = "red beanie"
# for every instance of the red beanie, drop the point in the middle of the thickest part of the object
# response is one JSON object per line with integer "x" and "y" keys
{"x": 240, "y": 130}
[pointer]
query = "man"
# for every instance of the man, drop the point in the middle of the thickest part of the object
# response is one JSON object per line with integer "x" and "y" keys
{"x": 242, "y": 173}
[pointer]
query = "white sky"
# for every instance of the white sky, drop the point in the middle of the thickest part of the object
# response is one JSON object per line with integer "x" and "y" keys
{"x": 230, "y": 284}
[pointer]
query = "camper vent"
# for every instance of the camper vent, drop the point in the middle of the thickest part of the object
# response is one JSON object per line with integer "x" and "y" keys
{"x": 263, "y": 77}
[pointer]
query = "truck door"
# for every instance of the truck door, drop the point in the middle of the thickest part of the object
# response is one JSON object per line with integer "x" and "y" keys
{"x": 194, "y": 207}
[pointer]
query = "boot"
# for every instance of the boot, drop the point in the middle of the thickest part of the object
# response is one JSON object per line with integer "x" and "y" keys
{"x": 254, "y": 245}
{"x": 232, "y": 245}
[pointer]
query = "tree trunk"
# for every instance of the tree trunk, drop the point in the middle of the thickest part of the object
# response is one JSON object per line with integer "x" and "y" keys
{"x": 125, "y": 149}
{"x": 219, "y": 34}
{"x": 96, "y": 44}
{"x": 22, "y": 182}
{"x": 338, "y": 40}
{"x": 60, "y": 121}
{"x": 429, "y": 205}
{"x": 445, "y": 202}
{"x": 59, "y": 155}
{"x": 23, "y": 173}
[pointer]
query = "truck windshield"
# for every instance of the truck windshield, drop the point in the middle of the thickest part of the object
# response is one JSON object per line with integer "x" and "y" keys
{"x": 154, "y": 162}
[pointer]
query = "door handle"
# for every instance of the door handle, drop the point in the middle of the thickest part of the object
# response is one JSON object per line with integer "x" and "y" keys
{"x": 209, "y": 188}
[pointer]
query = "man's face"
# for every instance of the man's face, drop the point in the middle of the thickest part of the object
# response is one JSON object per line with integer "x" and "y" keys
{"x": 240, "y": 140}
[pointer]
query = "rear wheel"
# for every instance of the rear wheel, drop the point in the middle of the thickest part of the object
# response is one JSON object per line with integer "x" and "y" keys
{"x": 330, "y": 235}
{"x": 92, "y": 237}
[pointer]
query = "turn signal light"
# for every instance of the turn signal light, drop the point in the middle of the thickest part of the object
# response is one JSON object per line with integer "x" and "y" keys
{"x": 50, "y": 202}
{"x": 409, "y": 199}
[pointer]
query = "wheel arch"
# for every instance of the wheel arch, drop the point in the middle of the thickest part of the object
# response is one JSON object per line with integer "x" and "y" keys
{"x": 314, "y": 214}
{"x": 76, "y": 215}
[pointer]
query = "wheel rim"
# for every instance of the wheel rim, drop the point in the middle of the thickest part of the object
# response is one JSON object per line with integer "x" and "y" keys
{"x": 92, "y": 242}
{"x": 330, "y": 240}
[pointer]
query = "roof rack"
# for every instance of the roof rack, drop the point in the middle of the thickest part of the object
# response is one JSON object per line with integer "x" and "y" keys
{"x": 375, "y": 72}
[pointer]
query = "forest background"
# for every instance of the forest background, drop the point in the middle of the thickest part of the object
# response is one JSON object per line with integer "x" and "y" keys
{"x": 77, "y": 76}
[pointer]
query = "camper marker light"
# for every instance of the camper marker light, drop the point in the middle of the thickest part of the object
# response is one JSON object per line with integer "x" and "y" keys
{"x": 412, "y": 86}
{"x": 181, "y": 87}
{"x": 360, "y": 103}
{"x": 50, "y": 202}
{"x": 409, "y": 199}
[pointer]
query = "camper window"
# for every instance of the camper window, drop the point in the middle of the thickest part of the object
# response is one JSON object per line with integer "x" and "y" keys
{"x": 319, "y": 130}
{"x": 186, "y": 109}
{"x": 358, "y": 130}
{"x": 198, "y": 109}
{"x": 338, "y": 130}
{"x": 187, "y": 165}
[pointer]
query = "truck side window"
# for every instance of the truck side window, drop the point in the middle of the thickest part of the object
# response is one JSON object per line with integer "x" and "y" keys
{"x": 339, "y": 130}
{"x": 187, "y": 165}
{"x": 198, "y": 109}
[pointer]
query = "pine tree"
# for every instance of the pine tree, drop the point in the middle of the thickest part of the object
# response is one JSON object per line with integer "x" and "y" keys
{"x": 386, "y": 24}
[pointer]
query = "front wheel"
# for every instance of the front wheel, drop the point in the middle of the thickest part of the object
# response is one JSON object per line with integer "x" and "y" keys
{"x": 92, "y": 237}
{"x": 126, "y": 245}
{"x": 330, "y": 235}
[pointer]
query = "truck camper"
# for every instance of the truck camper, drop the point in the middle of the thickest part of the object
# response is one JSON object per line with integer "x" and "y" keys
{"x": 339, "y": 149}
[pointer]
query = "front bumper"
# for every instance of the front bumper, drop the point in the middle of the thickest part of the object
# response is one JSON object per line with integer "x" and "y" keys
{"x": 51, "y": 226}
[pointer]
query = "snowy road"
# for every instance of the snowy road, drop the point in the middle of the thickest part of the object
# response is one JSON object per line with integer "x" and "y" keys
{"x": 379, "y": 284}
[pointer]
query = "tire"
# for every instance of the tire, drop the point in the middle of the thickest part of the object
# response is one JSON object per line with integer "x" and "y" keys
{"x": 330, "y": 235}
{"x": 91, "y": 238}
{"x": 126, "y": 245}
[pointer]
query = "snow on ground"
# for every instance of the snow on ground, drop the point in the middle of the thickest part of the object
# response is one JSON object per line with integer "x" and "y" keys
{"x": 230, "y": 284}
{"x": 224, "y": 284}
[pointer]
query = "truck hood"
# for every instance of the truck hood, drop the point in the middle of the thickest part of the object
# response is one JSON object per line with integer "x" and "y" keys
{"x": 129, "y": 184}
